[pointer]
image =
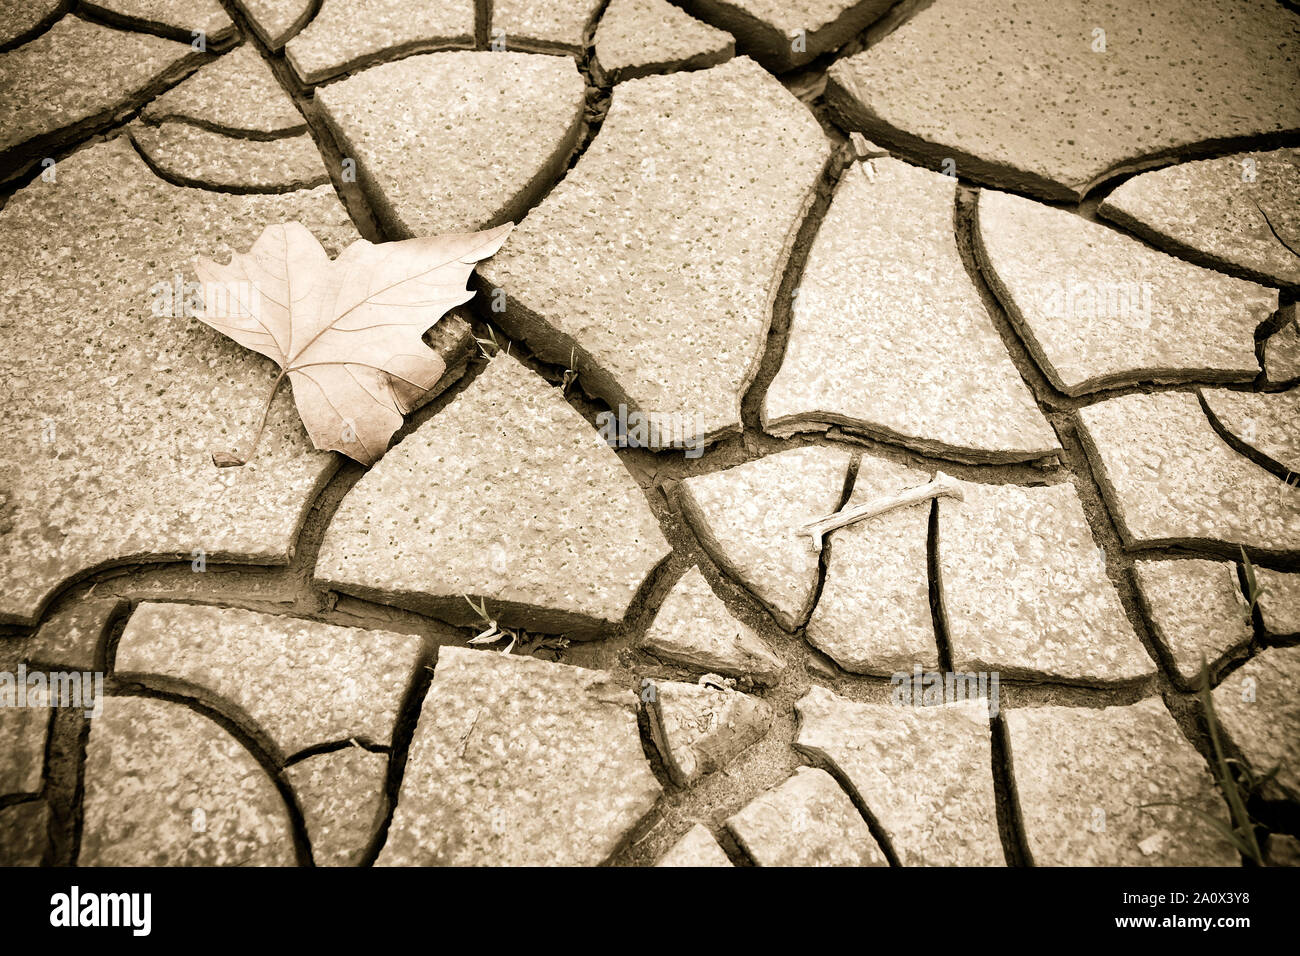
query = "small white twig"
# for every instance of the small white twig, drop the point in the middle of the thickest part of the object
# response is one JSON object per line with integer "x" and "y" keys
{"x": 940, "y": 486}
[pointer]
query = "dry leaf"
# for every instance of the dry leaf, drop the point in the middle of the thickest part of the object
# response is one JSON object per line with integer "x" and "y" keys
{"x": 348, "y": 332}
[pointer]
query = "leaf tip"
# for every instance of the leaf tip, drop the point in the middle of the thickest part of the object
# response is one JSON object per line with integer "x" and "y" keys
{"x": 493, "y": 240}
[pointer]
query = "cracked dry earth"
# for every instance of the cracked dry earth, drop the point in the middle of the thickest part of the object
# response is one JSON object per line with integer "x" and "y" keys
{"x": 953, "y": 236}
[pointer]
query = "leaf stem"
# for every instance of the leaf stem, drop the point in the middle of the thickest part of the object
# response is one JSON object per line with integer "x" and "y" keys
{"x": 225, "y": 461}
{"x": 1269, "y": 222}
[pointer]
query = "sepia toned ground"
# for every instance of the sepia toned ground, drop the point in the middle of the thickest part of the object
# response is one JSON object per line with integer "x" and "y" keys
{"x": 773, "y": 259}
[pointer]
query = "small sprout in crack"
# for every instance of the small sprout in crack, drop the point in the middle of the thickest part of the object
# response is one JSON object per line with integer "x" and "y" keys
{"x": 493, "y": 633}
{"x": 570, "y": 376}
{"x": 1254, "y": 590}
{"x": 490, "y": 346}
{"x": 1236, "y": 780}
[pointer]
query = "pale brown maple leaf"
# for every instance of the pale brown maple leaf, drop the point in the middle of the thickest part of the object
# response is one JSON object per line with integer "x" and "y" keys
{"x": 346, "y": 332}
